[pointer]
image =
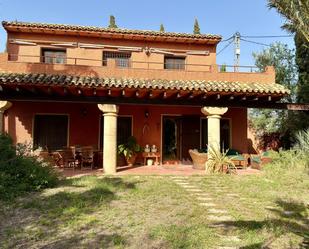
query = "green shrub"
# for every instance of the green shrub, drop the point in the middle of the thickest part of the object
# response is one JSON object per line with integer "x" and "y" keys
{"x": 20, "y": 172}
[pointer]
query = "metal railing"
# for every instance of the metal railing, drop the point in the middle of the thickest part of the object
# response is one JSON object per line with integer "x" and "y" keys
{"x": 128, "y": 63}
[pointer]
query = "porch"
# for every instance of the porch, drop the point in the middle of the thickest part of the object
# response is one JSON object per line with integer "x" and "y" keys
{"x": 159, "y": 170}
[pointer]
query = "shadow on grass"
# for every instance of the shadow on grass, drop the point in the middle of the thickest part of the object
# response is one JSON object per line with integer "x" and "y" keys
{"x": 292, "y": 217}
{"x": 100, "y": 241}
{"x": 66, "y": 216}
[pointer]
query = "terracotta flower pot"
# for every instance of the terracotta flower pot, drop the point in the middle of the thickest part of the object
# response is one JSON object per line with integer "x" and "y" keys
{"x": 131, "y": 160}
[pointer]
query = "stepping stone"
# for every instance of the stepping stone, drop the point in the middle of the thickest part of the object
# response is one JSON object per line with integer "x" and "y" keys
{"x": 220, "y": 218}
{"x": 189, "y": 186}
{"x": 183, "y": 183}
{"x": 202, "y": 195}
{"x": 233, "y": 195}
{"x": 207, "y": 204}
{"x": 194, "y": 190}
{"x": 227, "y": 247}
{"x": 217, "y": 211}
{"x": 204, "y": 198}
{"x": 288, "y": 213}
{"x": 231, "y": 238}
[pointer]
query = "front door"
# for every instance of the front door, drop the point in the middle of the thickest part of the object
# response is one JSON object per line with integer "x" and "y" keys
{"x": 190, "y": 135}
{"x": 171, "y": 138}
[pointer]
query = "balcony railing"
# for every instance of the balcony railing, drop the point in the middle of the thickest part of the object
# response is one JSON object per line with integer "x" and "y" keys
{"x": 129, "y": 63}
{"x": 133, "y": 69}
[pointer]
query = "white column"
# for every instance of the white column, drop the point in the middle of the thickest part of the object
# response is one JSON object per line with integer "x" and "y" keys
{"x": 4, "y": 105}
{"x": 110, "y": 113}
{"x": 213, "y": 120}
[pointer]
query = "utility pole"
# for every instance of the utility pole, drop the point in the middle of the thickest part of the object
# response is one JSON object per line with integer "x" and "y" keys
{"x": 236, "y": 51}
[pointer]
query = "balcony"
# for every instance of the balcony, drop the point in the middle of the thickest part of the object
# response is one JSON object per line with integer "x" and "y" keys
{"x": 132, "y": 69}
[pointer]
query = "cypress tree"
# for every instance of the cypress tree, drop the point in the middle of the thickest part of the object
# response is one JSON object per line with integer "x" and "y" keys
{"x": 196, "y": 29}
{"x": 112, "y": 22}
{"x": 162, "y": 29}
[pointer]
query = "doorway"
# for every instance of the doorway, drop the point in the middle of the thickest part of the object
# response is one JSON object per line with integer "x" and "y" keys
{"x": 179, "y": 134}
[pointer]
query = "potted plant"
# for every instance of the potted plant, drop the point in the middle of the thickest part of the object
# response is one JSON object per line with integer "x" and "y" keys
{"x": 129, "y": 150}
{"x": 219, "y": 162}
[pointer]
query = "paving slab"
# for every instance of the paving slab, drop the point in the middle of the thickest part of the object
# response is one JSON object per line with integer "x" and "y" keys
{"x": 217, "y": 211}
{"x": 207, "y": 204}
{"x": 220, "y": 218}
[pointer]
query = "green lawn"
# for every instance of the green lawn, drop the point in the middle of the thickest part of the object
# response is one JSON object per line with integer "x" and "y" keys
{"x": 155, "y": 212}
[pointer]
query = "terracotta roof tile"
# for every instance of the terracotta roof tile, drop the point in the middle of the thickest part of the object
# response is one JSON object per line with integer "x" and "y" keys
{"x": 94, "y": 82}
{"x": 7, "y": 24}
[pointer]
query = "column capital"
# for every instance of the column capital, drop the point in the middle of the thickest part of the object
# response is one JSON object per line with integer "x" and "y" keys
{"x": 108, "y": 108}
{"x": 213, "y": 111}
{"x": 4, "y": 105}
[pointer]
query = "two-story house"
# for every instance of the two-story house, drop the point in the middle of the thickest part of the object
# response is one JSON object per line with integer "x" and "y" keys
{"x": 65, "y": 85}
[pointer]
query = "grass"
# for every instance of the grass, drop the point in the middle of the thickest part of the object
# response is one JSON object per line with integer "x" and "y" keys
{"x": 154, "y": 212}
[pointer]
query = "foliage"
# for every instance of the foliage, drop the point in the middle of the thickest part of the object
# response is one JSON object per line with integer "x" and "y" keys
{"x": 162, "y": 29}
{"x": 196, "y": 28}
{"x": 130, "y": 148}
{"x": 223, "y": 68}
{"x": 296, "y": 12}
{"x": 112, "y": 22}
{"x": 219, "y": 162}
{"x": 20, "y": 173}
{"x": 302, "y": 145}
{"x": 302, "y": 61}
{"x": 268, "y": 121}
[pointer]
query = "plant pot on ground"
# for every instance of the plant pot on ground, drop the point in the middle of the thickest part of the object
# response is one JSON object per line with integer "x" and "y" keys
{"x": 130, "y": 149}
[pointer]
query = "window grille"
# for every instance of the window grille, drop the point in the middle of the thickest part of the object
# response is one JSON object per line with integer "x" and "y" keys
{"x": 122, "y": 59}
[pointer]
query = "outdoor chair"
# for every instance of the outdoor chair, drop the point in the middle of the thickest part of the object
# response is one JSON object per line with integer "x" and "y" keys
{"x": 45, "y": 156}
{"x": 69, "y": 160}
{"x": 87, "y": 156}
{"x": 240, "y": 160}
{"x": 258, "y": 161}
{"x": 198, "y": 158}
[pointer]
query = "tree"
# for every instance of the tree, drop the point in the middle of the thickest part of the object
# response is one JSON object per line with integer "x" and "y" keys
{"x": 162, "y": 29}
{"x": 296, "y": 12}
{"x": 112, "y": 22}
{"x": 196, "y": 28}
{"x": 223, "y": 68}
{"x": 267, "y": 121}
{"x": 302, "y": 62}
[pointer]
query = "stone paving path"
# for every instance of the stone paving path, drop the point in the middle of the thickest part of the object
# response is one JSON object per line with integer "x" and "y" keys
{"x": 205, "y": 199}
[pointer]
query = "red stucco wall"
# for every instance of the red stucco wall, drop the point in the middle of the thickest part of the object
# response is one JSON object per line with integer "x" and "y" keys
{"x": 84, "y": 120}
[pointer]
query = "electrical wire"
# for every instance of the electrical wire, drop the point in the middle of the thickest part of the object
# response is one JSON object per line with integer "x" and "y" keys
{"x": 225, "y": 47}
{"x": 259, "y": 43}
{"x": 266, "y": 36}
{"x": 227, "y": 39}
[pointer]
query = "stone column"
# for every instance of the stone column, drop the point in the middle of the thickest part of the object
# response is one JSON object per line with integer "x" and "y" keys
{"x": 4, "y": 105}
{"x": 110, "y": 113}
{"x": 213, "y": 120}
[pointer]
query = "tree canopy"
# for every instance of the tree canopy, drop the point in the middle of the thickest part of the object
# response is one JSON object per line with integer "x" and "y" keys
{"x": 162, "y": 29}
{"x": 196, "y": 28}
{"x": 112, "y": 22}
{"x": 266, "y": 121}
{"x": 297, "y": 14}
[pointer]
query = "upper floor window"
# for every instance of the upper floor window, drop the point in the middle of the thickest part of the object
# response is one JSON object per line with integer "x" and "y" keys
{"x": 173, "y": 62}
{"x": 54, "y": 56}
{"x": 122, "y": 58}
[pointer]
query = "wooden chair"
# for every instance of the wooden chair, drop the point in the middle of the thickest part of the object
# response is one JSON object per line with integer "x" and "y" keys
{"x": 69, "y": 159}
{"x": 87, "y": 156}
{"x": 240, "y": 160}
{"x": 45, "y": 156}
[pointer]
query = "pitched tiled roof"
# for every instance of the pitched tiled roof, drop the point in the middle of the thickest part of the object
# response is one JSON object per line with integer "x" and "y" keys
{"x": 94, "y": 82}
{"x": 7, "y": 24}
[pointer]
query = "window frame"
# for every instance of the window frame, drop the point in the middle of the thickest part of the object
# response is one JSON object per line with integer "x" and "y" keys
{"x": 54, "y": 58}
{"x": 180, "y": 66}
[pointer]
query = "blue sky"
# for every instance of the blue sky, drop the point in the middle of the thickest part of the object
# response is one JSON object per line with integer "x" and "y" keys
{"x": 224, "y": 17}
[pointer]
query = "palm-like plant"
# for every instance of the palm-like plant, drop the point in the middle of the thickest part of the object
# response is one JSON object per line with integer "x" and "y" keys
{"x": 219, "y": 162}
{"x": 297, "y": 14}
